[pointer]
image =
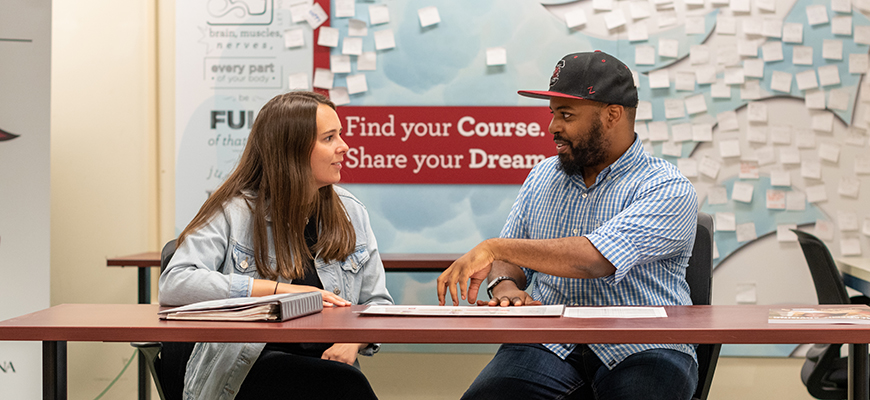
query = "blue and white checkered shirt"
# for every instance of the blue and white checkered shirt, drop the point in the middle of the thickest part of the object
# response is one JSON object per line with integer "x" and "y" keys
{"x": 640, "y": 214}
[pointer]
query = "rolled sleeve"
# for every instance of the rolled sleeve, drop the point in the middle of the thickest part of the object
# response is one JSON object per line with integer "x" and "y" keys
{"x": 617, "y": 249}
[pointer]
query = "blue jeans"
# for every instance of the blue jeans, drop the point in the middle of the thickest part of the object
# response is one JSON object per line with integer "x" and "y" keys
{"x": 530, "y": 371}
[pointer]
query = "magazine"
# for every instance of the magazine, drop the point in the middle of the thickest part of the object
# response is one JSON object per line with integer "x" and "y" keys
{"x": 277, "y": 307}
{"x": 839, "y": 315}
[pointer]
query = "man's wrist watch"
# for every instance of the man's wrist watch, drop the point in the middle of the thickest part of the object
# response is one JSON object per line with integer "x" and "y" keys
{"x": 498, "y": 280}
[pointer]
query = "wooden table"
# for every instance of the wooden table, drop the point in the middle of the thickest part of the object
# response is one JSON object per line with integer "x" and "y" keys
{"x": 856, "y": 273}
{"x": 745, "y": 324}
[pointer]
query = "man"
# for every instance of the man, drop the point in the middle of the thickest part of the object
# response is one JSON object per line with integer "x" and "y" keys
{"x": 602, "y": 224}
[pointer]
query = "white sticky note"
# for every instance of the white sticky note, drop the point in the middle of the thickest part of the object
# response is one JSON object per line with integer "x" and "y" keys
{"x": 356, "y": 27}
{"x": 842, "y": 25}
{"x": 806, "y": 139}
{"x": 858, "y": 63}
{"x": 725, "y": 222}
{"x": 367, "y": 61}
{"x": 751, "y": 90}
{"x": 824, "y": 229}
{"x": 709, "y": 167}
{"x": 328, "y": 37}
{"x": 729, "y": 148}
{"x": 293, "y": 38}
{"x": 838, "y": 99}
{"x": 339, "y": 64}
{"x": 699, "y": 54}
{"x": 669, "y": 48}
{"x": 829, "y": 75}
{"x": 817, "y": 193}
{"x": 323, "y": 78}
{"x": 717, "y": 195}
{"x": 740, "y": 6}
{"x": 672, "y": 149}
{"x": 779, "y": 177}
{"x": 637, "y": 32}
{"x": 772, "y": 51}
{"x": 696, "y": 104}
{"x": 614, "y": 19}
{"x": 806, "y": 80}
{"x": 379, "y": 14}
{"x": 644, "y": 55}
{"x": 675, "y": 108}
{"x": 747, "y": 48}
{"x": 746, "y": 232}
{"x": 752, "y": 26}
{"x": 861, "y": 34}
{"x": 814, "y": 100}
{"x": 849, "y": 186}
{"x": 854, "y": 137}
{"x": 823, "y": 122}
{"x": 756, "y": 134}
{"x": 658, "y": 131}
{"x": 298, "y": 81}
{"x": 789, "y": 156}
{"x": 841, "y": 6}
{"x": 644, "y": 111}
{"x": 765, "y": 155}
{"x": 384, "y": 39}
{"x": 832, "y": 49}
{"x": 781, "y": 81}
{"x": 784, "y": 233}
{"x": 352, "y": 46}
{"x": 315, "y": 16}
{"x": 641, "y": 130}
{"x": 496, "y": 56}
{"x": 766, "y": 5}
{"x": 298, "y": 11}
{"x": 811, "y": 169}
{"x": 702, "y": 132}
{"x": 756, "y": 112}
{"x": 726, "y": 25}
{"x": 862, "y": 165}
{"x": 575, "y": 18}
{"x": 734, "y": 76}
{"x": 771, "y": 28}
{"x": 681, "y": 132}
{"x": 602, "y": 5}
{"x": 688, "y": 167}
{"x": 659, "y": 79}
{"x": 753, "y": 67}
{"x": 705, "y": 74}
{"x": 850, "y": 246}
{"x": 339, "y": 96}
{"x": 695, "y": 26}
{"x": 847, "y": 221}
{"x": 428, "y": 16}
{"x": 829, "y": 152}
{"x": 775, "y": 199}
{"x": 781, "y": 134}
{"x": 865, "y": 227}
{"x": 748, "y": 170}
{"x": 635, "y": 78}
{"x": 356, "y": 84}
{"x": 793, "y": 33}
{"x": 667, "y": 18}
{"x": 344, "y": 8}
{"x": 727, "y": 120}
{"x": 802, "y": 55}
{"x": 795, "y": 201}
{"x": 817, "y": 14}
{"x": 639, "y": 9}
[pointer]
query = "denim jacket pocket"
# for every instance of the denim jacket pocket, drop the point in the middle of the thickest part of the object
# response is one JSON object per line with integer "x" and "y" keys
{"x": 243, "y": 260}
{"x": 351, "y": 275}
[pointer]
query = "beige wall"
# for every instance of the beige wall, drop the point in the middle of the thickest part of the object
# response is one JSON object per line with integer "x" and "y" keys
{"x": 112, "y": 167}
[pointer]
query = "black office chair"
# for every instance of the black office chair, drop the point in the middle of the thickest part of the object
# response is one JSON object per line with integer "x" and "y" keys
{"x": 824, "y": 372}
{"x": 166, "y": 360}
{"x": 699, "y": 275}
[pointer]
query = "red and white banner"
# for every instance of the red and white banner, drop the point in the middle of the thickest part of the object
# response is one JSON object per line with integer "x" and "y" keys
{"x": 444, "y": 145}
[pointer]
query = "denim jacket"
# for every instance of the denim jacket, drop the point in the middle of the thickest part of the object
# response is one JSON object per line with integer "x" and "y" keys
{"x": 217, "y": 262}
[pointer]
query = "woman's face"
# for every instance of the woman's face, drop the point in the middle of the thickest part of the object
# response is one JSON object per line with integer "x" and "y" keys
{"x": 329, "y": 148}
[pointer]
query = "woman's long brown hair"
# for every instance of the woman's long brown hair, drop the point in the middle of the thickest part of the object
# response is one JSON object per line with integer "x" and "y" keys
{"x": 274, "y": 177}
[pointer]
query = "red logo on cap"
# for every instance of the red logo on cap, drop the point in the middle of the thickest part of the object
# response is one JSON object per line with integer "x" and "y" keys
{"x": 555, "y": 77}
{"x": 590, "y": 90}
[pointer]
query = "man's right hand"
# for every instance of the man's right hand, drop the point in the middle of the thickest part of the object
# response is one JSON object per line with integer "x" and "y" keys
{"x": 509, "y": 297}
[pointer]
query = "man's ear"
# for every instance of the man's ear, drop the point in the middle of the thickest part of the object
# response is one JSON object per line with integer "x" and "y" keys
{"x": 613, "y": 114}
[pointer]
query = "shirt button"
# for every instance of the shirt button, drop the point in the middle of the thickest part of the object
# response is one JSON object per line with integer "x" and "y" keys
{"x": 337, "y": 291}
{"x": 576, "y": 230}
{"x": 583, "y": 195}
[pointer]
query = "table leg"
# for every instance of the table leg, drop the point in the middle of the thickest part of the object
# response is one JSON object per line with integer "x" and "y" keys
{"x": 859, "y": 371}
{"x": 54, "y": 370}
{"x": 144, "y": 298}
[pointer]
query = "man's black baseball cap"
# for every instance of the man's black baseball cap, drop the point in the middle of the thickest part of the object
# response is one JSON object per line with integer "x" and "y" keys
{"x": 595, "y": 76}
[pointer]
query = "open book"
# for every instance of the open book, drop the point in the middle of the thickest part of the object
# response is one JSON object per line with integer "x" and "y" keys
{"x": 277, "y": 307}
{"x": 840, "y": 315}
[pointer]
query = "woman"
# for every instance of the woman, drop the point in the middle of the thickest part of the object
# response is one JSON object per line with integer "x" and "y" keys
{"x": 277, "y": 225}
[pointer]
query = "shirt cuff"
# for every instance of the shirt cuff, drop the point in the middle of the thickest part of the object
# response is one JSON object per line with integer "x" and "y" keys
{"x": 240, "y": 285}
{"x": 616, "y": 249}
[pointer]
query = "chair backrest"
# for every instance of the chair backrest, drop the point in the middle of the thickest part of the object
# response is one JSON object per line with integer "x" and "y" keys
{"x": 166, "y": 254}
{"x": 699, "y": 276}
{"x": 174, "y": 355}
{"x": 830, "y": 288}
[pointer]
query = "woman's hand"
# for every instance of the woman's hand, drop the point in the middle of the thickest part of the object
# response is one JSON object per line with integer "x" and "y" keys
{"x": 343, "y": 352}
{"x": 263, "y": 287}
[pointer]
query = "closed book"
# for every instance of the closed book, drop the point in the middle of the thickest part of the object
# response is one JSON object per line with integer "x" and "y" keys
{"x": 277, "y": 307}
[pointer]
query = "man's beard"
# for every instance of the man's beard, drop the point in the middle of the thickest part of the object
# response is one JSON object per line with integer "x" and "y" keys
{"x": 590, "y": 151}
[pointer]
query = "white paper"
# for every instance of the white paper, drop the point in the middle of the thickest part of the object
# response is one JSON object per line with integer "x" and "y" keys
{"x": 658, "y": 131}
{"x": 702, "y": 132}
{"x": 850, "y": 246}
{"x": 781, "y": 134}
{"x": 816, "y": 193}
{"x": 293, "y": 38}
{"x": 727, "y": 120}
{"x": 428, "y": 16}
{"x": 644, "y": 55}
{"x": 379, "y": 14}
{"x": 779, "y": 177}
{"x": 496, "y": 56}
{"x": 298, "y": 81}
{"x": 862, "y": 165}
{"x": 367, "y": 61}
{"x": 746, "y": 232}
{"x": 699, "y": 54}
{"x": 323, "y": 78}
{"x": 765, "y": 155}
{"x": 356, "y": 84}
{"x": 298, "y": 11}
{"x": 817, "y": 14}
{"x": 842, "y": 25}
{"x": 602, "y": 5}
{"x": 688, "y": 167}
{"x": 667, "y": 18}
{"x": 729, "y": 148}
{"x": 861, "y": 34}
{"x": 696, "y": 104}
{"x": 829, "y": 75}
{"x": 356, "y": 27}
{"x": 614, "y": 19}
{"x": 352, "y": 46}
{"x": 705, "y": 74}
{"x": 766, "y": 5}
{"x": 384, "y": 39}
{"x": 841, "y": 6}
{"x": 865, "y": 227}
{"x": 756, "y": 111}
{"x": 465, "y": 311}
{"x": 814, "y": 100}
{"x": 756, "y": 134}
{"x": 823, "y": 122}
{"x": 339, "y": 64}
{"x": 789, "y": 156}
{"x": 575, "y": 18}
{"x": 639, "y": 9}
{"x": 806, "y": 80}
{"x": 824, "y": 229}
{"x": 858, "y": 63}
{"x": 672, "y": 149}
{"x": 832, "y": 50}
{"x": 793, "y": 33}
{"x": 751, "y": 90}
{"x": 781, "y": 81}
{"x": 717, "y": 195}
{"x": 344, "y": 8}
{"x": 726, "y": 25}
{"x": 753, "y": 67}
{"x": 784, "y": 233}
{"x": 772, "y": 51}
{"x": 748, "y": 170}
{"x": 644, "y": 111}
{"x": 742, "y": 6}
{"x": 772, "y": 28}
{"x": 742, "y": 192}
{"x": 674, "y": 108}
{"x": 725, "y": 222}
{"x": 829, "y": 152}
{"x": 339, "y": 96}
{"x": 615, "y": 312}
{"x": 315, "y": 16}
{"x": 734, "y": 76}
{"x": 811, "y": 169}
{"x": 802, "y": 55}
{"x": 709, "y": 167}
{"x": 748, "y": 48}
{"x": 775, "y": 199}
{"x": 838, "y": 99}
{"x": 795, "y": 201}
{"x": 659, "y": 78}
{"x": 685, "y": 81}
{"x": 848, "y": 221}
{"x": 695, "y": 26}
{"x": 328, "y": 37}
{"x": 806, "y": 139}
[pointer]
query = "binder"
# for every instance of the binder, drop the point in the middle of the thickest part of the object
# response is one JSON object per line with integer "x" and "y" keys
{"x": 276, "y": 307}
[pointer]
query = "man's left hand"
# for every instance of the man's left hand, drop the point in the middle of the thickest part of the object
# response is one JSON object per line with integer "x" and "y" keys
{"x": 473, "y": 266}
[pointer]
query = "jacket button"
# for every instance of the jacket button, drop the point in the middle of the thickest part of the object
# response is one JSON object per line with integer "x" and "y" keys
{"x": 337, "y": 291}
